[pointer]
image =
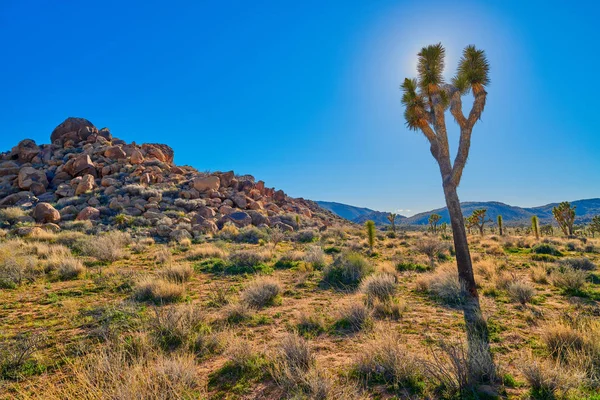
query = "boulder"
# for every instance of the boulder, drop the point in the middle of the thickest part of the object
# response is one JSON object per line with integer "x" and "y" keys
{"x": 258, "y": 218}
{"x": 208, "y": 183}
{"x": 239, "y": 219}
{"x": 115, "y": 153}
{"x": 80, "y": 166}
{"x": 239, "y": 200}
{"x": 88, "y": 213}
{"x": 279, "y": 196}
{"x": 25, "y": 151}
{"x": 87, "y": 184}
{"x": 161, "y": 152}
{"x": 226, "y": 178}
{"x": 136, "y": 157}
{"x": 28, "y": 176}
{"x": 18, "y": 199}
{"x": 9, "y": 168}
{"x": 44, "y": 213}
{"x": 76, "y": 129}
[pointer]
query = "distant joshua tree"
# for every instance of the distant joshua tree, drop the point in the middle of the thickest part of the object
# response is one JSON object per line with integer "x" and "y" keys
{"x": 547, "y": 230}
{"x": 433, "y": 221}
{"x": 426, "y": 100}
{"x": 370, "y": 225}
{"x": 500, "y": 226}
{"x": 564, "y": 214}
{"x": 478, "y": 219}
{"x": 535, "y": 226}
{"x": 595, "y": 225}
{"x": 392, "y": 218}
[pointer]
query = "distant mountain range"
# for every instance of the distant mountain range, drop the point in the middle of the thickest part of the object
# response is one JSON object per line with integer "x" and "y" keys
{"x": 512, "y": 215}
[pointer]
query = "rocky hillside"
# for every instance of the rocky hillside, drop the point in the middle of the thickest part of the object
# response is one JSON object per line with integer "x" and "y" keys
{"x": 88, "y": 174}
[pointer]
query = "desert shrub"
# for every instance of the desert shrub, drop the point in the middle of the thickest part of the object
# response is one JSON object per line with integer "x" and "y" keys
{"x": 252, "y": 235}
{"x": 380, "y": 287}
{"x": 306, "y": 236}
{"x": 347, "y": 270}
{"x": 546, "y": 248}
{"x": 547, "y": 379}
{"x": 575, "y": 342}
{"x": 157, "y": 291}
{"x": 206, "y": 250}
{"x": 141, "y": 245}
{"x": 163, "y": 255}
{"x": 293, "y": 354}
{"x": 310, "y": 325}
{"x": 388, "y": 309}
{"x": 11, "y": 215}
{"x": 17, "y": 354}
{"x": 384, "y": 359}
{"x": 289, "y": 259}
{"x": 315, "y": 256}
{"x": 229, "y": 232}
{"x": 46, "y": 251}
{"x": 540, "y": 274}
{"x": 521, "y": 292}
{"x": 109, "y": 247}
{"x": 445, "y": 286}
{"x": 69, "y": 268}
{"x": 578, "y": 263}
{"x": 569, "y": 279}
{"x": 16, "y": 270}
{"x": 247, "y": 261}
{"x": 261, "y": 292}
{"x": 504, "y": 279}
{"x": 455, "y": 373}
{"x": 353, "y": 318}
{"x": 432, "y": 248}
{"x": 177, "y": 273}
{"x": 183, "y": 327}
{"x": 237, "y": 312}
{"x": 72, "y": 239}
{"x": 79, "y": 226}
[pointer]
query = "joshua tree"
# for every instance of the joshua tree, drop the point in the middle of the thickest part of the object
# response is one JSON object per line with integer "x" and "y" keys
{"x": 499, "y": 219}
{"x": 564, "y": 214}
{"x": 370, "y": 225}
{"x": 443, "y": 227}
{"x": 477, "y": 219}
{"x": 535, "y": 226}
{"x": 595, "y": 225}
{"x": 433, "y": 221}
{"x": 426, "y": 100}
{"x": 392, "y": 218}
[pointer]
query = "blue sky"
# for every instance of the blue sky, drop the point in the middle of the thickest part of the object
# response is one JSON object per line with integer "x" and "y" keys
{"x": 305, "y": 95}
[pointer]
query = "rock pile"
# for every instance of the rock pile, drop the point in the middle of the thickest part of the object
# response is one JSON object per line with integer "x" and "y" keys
{"x": 87, "y": 174}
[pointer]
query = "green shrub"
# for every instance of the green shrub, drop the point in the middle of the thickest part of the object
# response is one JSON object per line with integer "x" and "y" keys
{"x": 347, "y": 270}
{"x": 411, "y": 266}
{"x": 252, "y": 235}
{"x": 306, "y": 236}
{"x": 353, "y": 318}
{"x": 546, "y": 248}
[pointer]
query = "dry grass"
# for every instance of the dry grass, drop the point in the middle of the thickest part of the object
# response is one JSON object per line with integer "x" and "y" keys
{"x": 206, "y": 250}
{"x": 261, "y": 292}
{"x": 177, "y": 273}
{"x": 115, "y": 372}
{"x": 380, "y": 287}
{"x": 354, "y": 317}
{"x": 384, "y": 358}
{"x": 521, "y": 292}
{"x": 109, "y": 247}
{"x": 444, "y": 285}
{"x": 69, "y": 268}
{"x": 158, "y": 291}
